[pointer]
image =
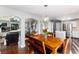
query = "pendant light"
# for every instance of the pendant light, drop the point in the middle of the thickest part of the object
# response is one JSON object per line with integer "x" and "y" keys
{"x": 46, "y": 18}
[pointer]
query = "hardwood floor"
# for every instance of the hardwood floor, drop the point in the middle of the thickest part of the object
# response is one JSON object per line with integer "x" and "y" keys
{"x": 14, "y": 49}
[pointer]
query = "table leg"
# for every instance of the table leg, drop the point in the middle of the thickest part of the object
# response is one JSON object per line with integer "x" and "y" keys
{"x": 54, "y": 51}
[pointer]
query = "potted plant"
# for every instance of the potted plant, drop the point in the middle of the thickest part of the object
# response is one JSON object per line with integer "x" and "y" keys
{"x": 45, "y": 32}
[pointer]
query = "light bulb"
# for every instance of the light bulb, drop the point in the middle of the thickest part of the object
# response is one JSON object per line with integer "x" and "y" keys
{"x": 46, "y": 19}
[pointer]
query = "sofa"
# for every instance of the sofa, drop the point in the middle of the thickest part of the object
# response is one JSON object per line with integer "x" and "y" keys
{"x": 12, "y": 37}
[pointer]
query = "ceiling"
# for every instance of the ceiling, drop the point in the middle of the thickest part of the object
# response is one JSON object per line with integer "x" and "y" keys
{"x": 55, "y": 11}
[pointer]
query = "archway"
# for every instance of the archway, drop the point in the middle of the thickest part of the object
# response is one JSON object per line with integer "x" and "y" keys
{"x": 30, "y": 25}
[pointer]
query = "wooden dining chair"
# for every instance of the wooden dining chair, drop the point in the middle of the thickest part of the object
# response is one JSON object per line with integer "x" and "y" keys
{"x": 29, "y": 43}
{"x": 33, "y": 32}
{"x": 50, "y": 34}
{"x": 40, "y": 46}
{"x": 65, "y": 46}
{"x": 36, "y": 44}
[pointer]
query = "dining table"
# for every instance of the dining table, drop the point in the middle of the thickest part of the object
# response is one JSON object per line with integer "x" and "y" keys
{"x": 51, "y": 42}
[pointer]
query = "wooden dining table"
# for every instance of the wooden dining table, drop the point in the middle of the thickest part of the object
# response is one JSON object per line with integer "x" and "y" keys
{"x": 53, "y": 43}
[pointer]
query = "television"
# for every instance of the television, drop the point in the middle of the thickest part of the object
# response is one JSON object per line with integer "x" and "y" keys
{"x": 14, "y": 26}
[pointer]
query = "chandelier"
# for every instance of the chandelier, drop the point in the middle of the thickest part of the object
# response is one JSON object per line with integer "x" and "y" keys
{"x": 46, "y": 17}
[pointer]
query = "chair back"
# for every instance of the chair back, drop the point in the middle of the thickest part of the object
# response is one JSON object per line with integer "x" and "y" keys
{"x": 50, "y": 34}
{"x": 40, "y": 46}
{"x": 37, "y": 44}
{"x": 65, "y": 46}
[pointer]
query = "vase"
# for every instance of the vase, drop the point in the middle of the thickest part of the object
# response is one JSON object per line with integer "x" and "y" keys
{"x": 45, "y": 36}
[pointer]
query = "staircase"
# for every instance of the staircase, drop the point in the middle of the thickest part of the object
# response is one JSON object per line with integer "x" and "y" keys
{"x": 75, "y": 46}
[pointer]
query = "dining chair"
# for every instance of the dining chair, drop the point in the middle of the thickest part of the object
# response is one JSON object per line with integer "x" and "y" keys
{"x": 65, "y": 46}
{"x": 33, "y": 32}
{"x": 50, "y": 34}
{"x": 40, "y": 46}
{"x": 36, "y": 44}
{"x": 62, "y": 35}
{"x": 29, "y": 44}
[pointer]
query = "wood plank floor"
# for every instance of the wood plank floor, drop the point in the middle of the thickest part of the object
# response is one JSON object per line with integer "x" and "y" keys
{"x": 14, "y": 49}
